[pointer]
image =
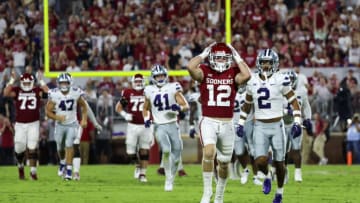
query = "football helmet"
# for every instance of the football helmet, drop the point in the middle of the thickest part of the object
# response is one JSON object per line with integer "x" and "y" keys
{"x": 157, "y": 70}
{"x": 27, "y": 81}
{"x": 220, "y": 57}
{"x": 138, "y": 82}
{"x": 267, "y": 62}
{"x": 293, "y": 78}
{"x": 64, "y": 82}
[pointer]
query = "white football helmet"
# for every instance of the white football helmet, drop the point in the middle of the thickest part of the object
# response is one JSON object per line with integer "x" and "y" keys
{"x": 27, "y": 82}
{"x": 220, "y": 57}
{"x": 138, "y": 82}
{"x": 157, "y": 70}
{"x": 293, "y": 78}
{"x": 64, "y": 82}
{"x": 265, "y": 57}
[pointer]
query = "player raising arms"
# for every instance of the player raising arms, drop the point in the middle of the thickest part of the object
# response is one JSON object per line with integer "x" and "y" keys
{"x": 266, "y": 91}
{"x": 63, "y": 101}
{"x": 165, "y": 100}
{"x": 27, "y": 125}
{"x": 138, "y": 137}
{"x": 217, "y": 83}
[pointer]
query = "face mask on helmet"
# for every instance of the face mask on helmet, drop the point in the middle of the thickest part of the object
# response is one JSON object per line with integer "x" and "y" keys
{"x": 26, "y": 82}
{"x": 293, "y": 78}
{"x": 267, "y": 62}
{"x": 138, "y": 82}
{"x": 159, "y": 75}
{"x": 64, "y": 81}
{"x": 220, "y": 57}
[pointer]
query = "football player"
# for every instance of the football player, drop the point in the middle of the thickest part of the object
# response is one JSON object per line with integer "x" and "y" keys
{"x": 138, "y": 138}
{"x": 64, "y": 101}
{"x": 295, "y": 143}
{"x": 27, "y": 101}
{"x": 165, "y": 100}
{"x": 265, "y": 92}
{"x": 217, "y": 83}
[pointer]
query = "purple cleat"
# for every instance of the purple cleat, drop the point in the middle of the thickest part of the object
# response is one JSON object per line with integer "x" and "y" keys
{"x": 267, "y": 186}
{"x": 278, "y": 198}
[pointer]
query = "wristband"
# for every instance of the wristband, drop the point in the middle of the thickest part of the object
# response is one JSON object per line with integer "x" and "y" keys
{"x": 123, "y": 113}
{"x": 241, "y": 122}
{"x": 42, "y": 82}
{"x": 297, "y": 119}
{"x": 146, "y": 118}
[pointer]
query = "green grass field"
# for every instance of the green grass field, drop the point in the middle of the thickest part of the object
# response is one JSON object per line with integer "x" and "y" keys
{"x": 115, "y": 183}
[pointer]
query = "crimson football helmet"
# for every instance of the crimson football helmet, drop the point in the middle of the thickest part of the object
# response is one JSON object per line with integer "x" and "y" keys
{"x": 138, "y": 82}
{"x": 220, "y": 57}
{"x": 26, "y": 81}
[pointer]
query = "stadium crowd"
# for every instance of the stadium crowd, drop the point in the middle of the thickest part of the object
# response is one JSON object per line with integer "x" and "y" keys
{"x": 133, "y": 35}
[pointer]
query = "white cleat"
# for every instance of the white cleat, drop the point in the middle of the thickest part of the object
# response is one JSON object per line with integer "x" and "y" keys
{"x": 261, "y": 175}
{"x": 218, "y": 201}
{"x": 323, "y": 161}
{"x": 169, "y": 184}
{"x": 256, "y": 181}
{"x": 61, "y": 173}
{"x": 142, "y": 178}
{"x": 206, "y": 197}
{"x": 136, "y": 172}
{"x": 76, "y": 176}
{"x": 298, "y": 175}
{"x": 244, "y": 176}
{"x": 67, "y": 177}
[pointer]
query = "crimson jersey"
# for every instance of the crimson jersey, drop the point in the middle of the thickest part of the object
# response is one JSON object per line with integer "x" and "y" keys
{"x": 27, "y": 104}
{"x": 135, "y": 103}
{"x": 218, "y": 92}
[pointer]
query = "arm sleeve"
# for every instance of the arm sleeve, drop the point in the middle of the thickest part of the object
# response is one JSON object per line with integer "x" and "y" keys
{"x": 91, "y": 114}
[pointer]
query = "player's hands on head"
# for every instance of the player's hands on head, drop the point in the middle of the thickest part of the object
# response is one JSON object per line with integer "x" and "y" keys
{"x": 237, "y": 58}
{"x": 240, "y": 132}
{"x": 206, "y": 51}
{"x": 192, "y": 131}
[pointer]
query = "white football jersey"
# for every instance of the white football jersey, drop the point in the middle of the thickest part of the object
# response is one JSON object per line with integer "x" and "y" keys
{"x": 302, "y": 98}
{"x": 194, "y": 97}
{"x": 161, "y": 99}
{"x": 66, "y": 104}
{"x": 239, "y": 102}
{"x": 268, "y": 95}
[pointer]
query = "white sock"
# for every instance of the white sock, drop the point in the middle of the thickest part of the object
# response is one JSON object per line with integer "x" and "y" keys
{"x": 33, "y": 169}
{"x": 62, "y": 162}
{"x": 280, "y": 191}
{"x": 207, "y": 181}
{"x": 76, "y": 164}
{"x": 143, "y": 171}
{"x": 162, "y": 162}
{"x": 180, "y": 165}
{"x": 220, "y": 188}
{"x": 297, "y": 170}
{"x": 167, "y": 166}
{"x": 231, "y": 170}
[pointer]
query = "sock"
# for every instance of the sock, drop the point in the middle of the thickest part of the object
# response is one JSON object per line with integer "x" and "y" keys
{"x": 33, "y": 169}
{"x": 143, "y": 171}
{"x": 167, "y": 167}
{"x": 20, "y": 165}
{"x": 280, "y": 191}
{"x": 220, "y": 188}
{"x": 207, "y": 181}
{"x": 76, "y": 164}
{"x": 69, "y": 170}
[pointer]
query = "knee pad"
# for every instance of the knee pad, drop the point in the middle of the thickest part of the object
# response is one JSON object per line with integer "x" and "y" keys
{"x": 144, "y": 157}
{"x": 76, "y": 150}
{"x": 223, "y": 165}
{"x": 19, "y": 147}
{"x": 20, "y": 157}
{"x": 209, "y": 153}
{"x": 133, "y": 158}
{"x": 33, "y": 154}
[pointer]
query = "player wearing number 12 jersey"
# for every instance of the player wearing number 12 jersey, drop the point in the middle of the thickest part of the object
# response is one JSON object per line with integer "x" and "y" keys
{"x": 265, "y": 91}
{"x": 138, "y": 138}
{"x": 217, "y": 84}
{"x": 27, "y": 101}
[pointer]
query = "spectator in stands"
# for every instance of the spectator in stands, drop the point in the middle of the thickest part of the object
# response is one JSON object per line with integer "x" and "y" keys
{"x": 6, "y": 141}
{"x": 353, "y": 138}
{"x": 322, "y": 96}
{"x": 321, "y": 125}
{"x": 73, "y": 67}
{"x": 87, "y": 137}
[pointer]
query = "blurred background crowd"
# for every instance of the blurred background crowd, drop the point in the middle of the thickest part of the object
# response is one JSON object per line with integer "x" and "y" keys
{"x": 91, "y": 35}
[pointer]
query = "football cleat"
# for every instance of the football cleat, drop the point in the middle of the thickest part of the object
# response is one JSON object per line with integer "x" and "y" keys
{"x": 267, "y": 186}
{"x": 136, "y": 172}
{"x": 298, "y": 175}
{"x": 21, "y": 173}
{"x": 76, "y": 176}
{"x": 142, "y": 178}
{"x": 67, "y": 177}
{"x": 161, "y": 171}
{"x": 33, "y": 176}
{"x": 244, "y": 176}
{"x": 278, "y": 198}
{"x": 61, "y": 170}
{"x": 323, "y": 161}
{"x": 256, "y": 181}
{"x": 182, "y": 173}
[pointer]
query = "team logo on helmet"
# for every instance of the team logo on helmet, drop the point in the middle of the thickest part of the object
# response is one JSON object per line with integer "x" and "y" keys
{"x": 156, "y": 71}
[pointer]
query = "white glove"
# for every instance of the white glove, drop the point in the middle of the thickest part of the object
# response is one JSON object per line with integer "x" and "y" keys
{"x": 126, "y": 116}
{"x": 206, "y": 51}
{"x": 98, "y": 127}
{"x": 237, "y": 58}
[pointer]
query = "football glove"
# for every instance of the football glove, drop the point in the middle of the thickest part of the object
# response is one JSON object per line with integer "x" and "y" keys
{"x": 308, "y": 126}
{"x": 206, "y": 51}
{"x": 192, "y": 131}
{"x": 240, "y": 131}
{"x": 237, "y": 58}
{"x": 175, "y": 107}
{"x": 147, "y": 123}
{"x": 296, "y": 130}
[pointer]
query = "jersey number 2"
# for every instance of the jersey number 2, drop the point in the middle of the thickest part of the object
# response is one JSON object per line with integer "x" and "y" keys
{"x": 263, "y": 98}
